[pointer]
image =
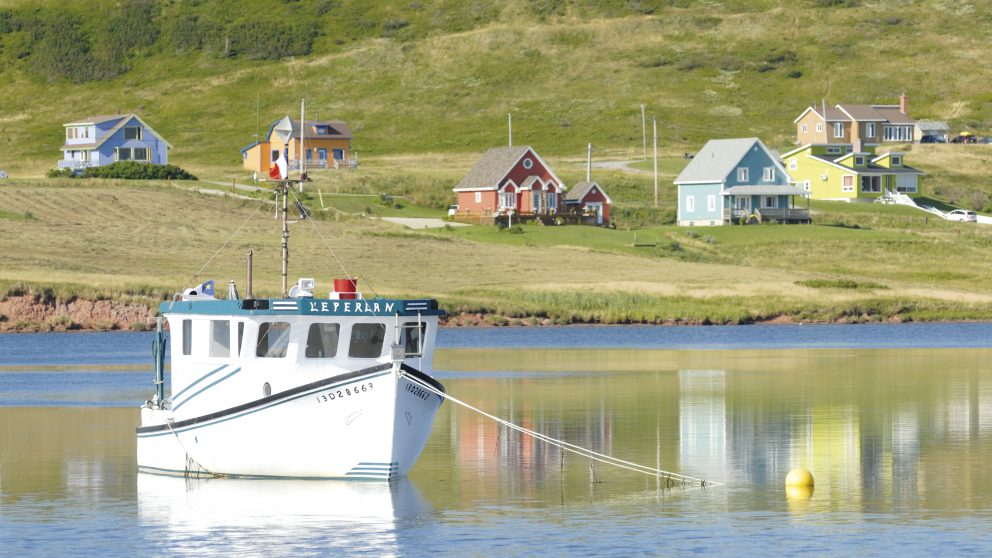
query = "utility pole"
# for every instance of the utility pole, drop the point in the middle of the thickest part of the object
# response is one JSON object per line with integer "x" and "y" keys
{"x": 654, "y": 122}
{"x": 509, "y": 127}
{"x": 589, "y": 164}
{"x": 644, "y": 132}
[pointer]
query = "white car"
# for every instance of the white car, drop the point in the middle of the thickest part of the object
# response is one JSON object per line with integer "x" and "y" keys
{"x": 962, "y": 215}
{"x": 452, "y": 210}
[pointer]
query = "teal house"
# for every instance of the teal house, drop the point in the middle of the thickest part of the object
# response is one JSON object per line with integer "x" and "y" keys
{"x": 737, "y": 181}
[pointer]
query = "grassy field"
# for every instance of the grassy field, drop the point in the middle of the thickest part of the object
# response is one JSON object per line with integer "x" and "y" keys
{"x": 144, "y": 241}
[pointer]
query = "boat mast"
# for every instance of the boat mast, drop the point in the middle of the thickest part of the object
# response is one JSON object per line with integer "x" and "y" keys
{"x": 284, "y": 186}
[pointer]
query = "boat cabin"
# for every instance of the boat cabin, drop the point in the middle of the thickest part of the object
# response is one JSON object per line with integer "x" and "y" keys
{"x": 257, "y": 347}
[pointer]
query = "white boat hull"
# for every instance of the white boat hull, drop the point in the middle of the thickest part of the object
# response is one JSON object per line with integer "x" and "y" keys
{"x": 370, "y": 424}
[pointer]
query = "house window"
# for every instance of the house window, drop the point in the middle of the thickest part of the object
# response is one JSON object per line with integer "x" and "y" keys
{"x": 838, "y": 129}
{"x": 323, "y": 130}
{"x": 131, "y": 154}
{"x": 552, "y": 204}
{"x": 274, "y": 155}
{"x": 742, "y": 174}
{"x": 833, "y": 151}
{"x": 338, "y": 154}
{"x": 870, "y": 129}
{"x": 536, "y": 201}
{"x": 743, "y": 202}
{"x": 768, "y": 175}
{"x": 478, "y": 197}
{"x": 508, "y": 200}
{"x": 859, "y": 161}
{"x": 871, "y": 183}
{"x": 793, "y": 164}
{"x": 806, "y": 185}
{"x": 897, "y": 133}
{"x": 847, "y": 183}
{"x": 711, "y": 202}
{"x": 819, "y": 127}
{"x": 690, "y": 204}
{"x": 769, "y": 202}
{"x": 140, "y": 154}
{"x": 805, "y": 128}
{"x": 132, "y": 132}
{"x": 896, "y": 161}
{"x": 528, "y": 163}
{"x": 122, "y": 154}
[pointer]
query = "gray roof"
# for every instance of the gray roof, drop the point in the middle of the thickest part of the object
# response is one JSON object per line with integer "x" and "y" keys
{"x": 934, "y": 125}
{"x": 492, "y": 167}
{"x": 580, "y": 190}
{"x": 765, "y": 190}
{"x": 716, "y": 160}
{"x": 97, "y": 119}
{"x": 872, "y": 168}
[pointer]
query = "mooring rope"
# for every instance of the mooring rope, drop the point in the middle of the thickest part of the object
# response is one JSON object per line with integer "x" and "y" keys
{"x": 565, "y": 446}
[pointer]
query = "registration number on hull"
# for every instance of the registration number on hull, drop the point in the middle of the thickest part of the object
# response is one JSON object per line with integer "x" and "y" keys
{"x": 341, "y": 393}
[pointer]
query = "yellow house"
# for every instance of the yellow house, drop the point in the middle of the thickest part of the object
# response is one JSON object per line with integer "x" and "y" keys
{"x": 839, "y": 172}
{"x": 327, "y": 144}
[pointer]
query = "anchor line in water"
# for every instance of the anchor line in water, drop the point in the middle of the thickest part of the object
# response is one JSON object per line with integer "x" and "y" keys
{"x": 565, "y": 446}
{"x": 190, "y": 460}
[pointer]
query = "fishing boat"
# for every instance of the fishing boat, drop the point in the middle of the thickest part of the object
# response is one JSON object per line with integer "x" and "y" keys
{"x": 295, "y": 386}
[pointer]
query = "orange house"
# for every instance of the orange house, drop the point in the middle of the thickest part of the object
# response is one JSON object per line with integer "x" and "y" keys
{"x": 510, "y": 179}
{"x": 327, "y": 144}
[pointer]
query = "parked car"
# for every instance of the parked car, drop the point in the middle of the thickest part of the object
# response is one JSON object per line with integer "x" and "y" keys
{"x": 962, "y": 215}
{"x": 930, "y": 138}
{"x": 452, "y": 210}
{"x": 965, "y": 138}
{"x": 985, "y": 139}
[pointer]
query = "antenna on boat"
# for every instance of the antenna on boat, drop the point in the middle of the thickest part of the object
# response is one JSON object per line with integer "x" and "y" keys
{"x": 248, "y": 279}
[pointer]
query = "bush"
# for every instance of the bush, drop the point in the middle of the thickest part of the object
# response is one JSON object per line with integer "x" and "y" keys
{"x": 133, "y": 170}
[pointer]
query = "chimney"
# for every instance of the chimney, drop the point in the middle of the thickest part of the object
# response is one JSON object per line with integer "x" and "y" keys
{"x": 903, "y": 104}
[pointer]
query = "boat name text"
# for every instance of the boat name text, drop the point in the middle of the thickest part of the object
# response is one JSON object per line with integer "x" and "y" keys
{"x": 353, "y": 306}
{"x": 339, "y": 393}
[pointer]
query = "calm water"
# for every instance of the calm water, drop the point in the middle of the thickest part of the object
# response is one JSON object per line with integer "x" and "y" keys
{"x": 899, "y": 439}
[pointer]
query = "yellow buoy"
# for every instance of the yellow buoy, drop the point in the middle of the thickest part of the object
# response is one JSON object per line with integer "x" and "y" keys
{"x": 799, "y": 477}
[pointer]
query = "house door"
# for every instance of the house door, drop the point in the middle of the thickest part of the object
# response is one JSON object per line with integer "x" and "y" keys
{"x": 322, "y": 156}
{"x": 338, "y": 154}
{"x": 598, "y": 206}
{"x": 536, "y": 199}
{"x": 743, "y": 203}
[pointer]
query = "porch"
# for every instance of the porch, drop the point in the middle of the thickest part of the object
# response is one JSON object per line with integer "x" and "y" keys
{"x": 792, "y": 215}
{"x": 762, "y": 203}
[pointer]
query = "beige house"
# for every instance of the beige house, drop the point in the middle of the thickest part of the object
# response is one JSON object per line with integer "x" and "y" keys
{"x": 856, "y": 125}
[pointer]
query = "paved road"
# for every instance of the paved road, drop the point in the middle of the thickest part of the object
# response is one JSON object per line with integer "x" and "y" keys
{"x": 422, "y": 222}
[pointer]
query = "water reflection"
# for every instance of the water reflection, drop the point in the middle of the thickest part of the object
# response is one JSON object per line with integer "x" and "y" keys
{"x": 880, "y": 430}
{"x": 279, "y": 516}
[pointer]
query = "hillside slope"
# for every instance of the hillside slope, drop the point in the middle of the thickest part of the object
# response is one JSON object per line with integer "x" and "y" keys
{"x": 441, "y": 75}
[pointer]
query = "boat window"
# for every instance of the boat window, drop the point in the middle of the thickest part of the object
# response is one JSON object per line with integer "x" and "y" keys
{"x": 241, "y": 335}
{"x": 412, "y": 338}
{"x": 273, "y": 340}
{"x": 322, "y": 341}
{"x": 220, "y": 338}
{"x": 366, "y": 340}
{"x": 187, "y": 337}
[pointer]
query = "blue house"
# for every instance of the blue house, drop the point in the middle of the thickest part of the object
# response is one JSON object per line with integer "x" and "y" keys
{"x": 102, "y": 140}
{"x": 737, "y": 181}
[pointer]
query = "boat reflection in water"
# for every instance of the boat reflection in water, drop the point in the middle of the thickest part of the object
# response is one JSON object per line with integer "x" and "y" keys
{"x": 266, "y": 517}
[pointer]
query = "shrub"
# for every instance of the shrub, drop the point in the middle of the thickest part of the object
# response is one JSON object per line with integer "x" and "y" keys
{"x": 133, "y": 170}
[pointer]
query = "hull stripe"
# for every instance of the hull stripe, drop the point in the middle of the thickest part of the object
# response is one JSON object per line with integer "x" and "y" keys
{"x": 188, "y": 399}
{"x": 265, "y": 402}
{"x": 198, "y": 380}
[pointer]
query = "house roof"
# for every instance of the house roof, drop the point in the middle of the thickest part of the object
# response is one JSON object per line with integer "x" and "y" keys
{"x": 494, "y": 166}
{"x": 337, "y": 129}
{"x": 717, "y": 159}
{"x": 869, "y": 169}
{"x": 894, "y": 115}
{"x": 832, "y": 113}
{"x": 582, "y": 188}
{"x": 95, "y": 119}
{"x": 934, "y": 125}
{"x": 249, "y": 146}
{"x": 861, "y": 113}
{"x": 528, "y": 182}
{"x": 126, "y": 118}
{"x": 765, "y": 190}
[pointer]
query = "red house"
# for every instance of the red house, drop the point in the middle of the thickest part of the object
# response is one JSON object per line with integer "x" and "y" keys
{"x": 589, "y": 200}
{"x": 510, "y": 178}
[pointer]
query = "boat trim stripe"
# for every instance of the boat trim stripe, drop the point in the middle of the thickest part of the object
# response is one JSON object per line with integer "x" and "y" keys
{"x": 284, "y": 395}
{"x": 187, "y": 400}
{"x": 198, "y": 380}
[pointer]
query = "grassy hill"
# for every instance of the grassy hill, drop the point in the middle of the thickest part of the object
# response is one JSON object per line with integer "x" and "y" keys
{"x": 441, "y": 75}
